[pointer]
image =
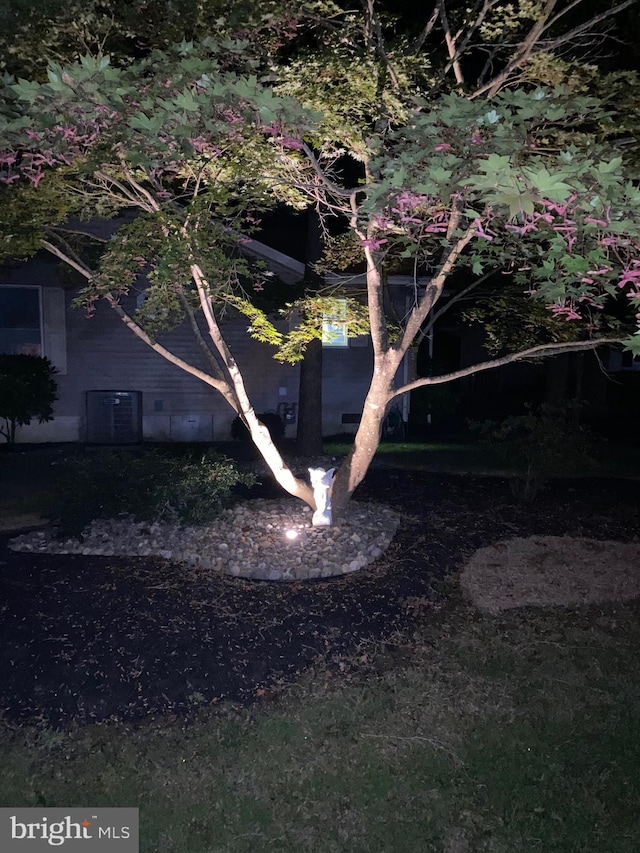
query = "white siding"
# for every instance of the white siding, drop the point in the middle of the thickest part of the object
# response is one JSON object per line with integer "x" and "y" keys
{"x": 54, "y": 327}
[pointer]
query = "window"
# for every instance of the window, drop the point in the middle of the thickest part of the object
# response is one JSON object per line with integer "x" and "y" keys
{"x": 33, "y": 322}
{"x": 334, "y": 326}
{"x": 20, "y": 321}
{"x": 618, "y": 360}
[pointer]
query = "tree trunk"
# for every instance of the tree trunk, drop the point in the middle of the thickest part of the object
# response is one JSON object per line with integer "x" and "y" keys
{"x": 354, "y": 468}
{"x": 260, "y": 435}
{"x": 309, "y": 435}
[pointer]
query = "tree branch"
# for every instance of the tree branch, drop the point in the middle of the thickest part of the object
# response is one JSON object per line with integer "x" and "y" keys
{"x": 466, "y": 33}
{"x": 435, "y": 316}
{"x": 137, "y": 186}
{"x": 259, "y": 432}
{"x": 373, "y": 22}
{"x": 130, "y": 196}
{"x": 451, "y": 45}
{"x": 540, "y": 351}
{"x": 434, "y": 290}
{"x": 522, "y": 52}
{"x": 219, "y": 384}
{"x": 78, "y": 266}
{"x": 58, "y": 230}
{"x": 334, "y": 189}
{"x": 534, "y": 43}
{"x": 211, "y": 359}
{"x": 551, "y": 44}
{"x": 428, "y": 28}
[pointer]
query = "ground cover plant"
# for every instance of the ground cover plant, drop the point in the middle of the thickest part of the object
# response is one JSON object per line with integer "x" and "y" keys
{"x": 148, "y": 485}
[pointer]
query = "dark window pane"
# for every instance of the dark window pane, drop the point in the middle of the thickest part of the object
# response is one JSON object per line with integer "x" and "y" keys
{"x": 20, "y": 320}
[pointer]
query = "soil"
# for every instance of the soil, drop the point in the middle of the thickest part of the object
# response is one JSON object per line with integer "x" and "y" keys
{"x": 551, "y": 570}
{"x": 85, "y": 639}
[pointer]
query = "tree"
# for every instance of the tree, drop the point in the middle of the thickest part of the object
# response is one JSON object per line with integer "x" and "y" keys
{"x": 27, "y": 391}
{"x": 484, "y": 178}
{"x": 36, "y": 32}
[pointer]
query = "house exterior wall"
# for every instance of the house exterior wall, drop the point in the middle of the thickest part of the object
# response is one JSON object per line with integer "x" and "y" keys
{"x": 346, "y": 374}
{"x": 99, "y": 353}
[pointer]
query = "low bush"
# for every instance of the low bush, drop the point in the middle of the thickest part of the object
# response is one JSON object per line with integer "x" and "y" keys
{"x": 27, "y": 391}
{"x": 149, "y": 486}
{"x": 546, "y": 441}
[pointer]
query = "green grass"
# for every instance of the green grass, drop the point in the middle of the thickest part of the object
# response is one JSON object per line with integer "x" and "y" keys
{"x": 507, "y": 735}
{"x": 474, "y": 458}
{"x": 436, "y": 456}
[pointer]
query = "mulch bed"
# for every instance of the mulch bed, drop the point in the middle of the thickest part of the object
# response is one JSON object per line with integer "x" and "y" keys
{"x": 85, "y": 639}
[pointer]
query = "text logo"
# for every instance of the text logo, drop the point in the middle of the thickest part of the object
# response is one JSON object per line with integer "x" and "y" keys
{"x": 90, "y": 830}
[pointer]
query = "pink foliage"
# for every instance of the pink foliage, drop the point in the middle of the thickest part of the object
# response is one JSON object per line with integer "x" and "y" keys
{"x": 232, "y": 117}
{"x": 374, "y": 244}
{"x": 35, "y": 178}
{"x": 58, "y": 145}
{"x": 567, "y": 311}
{"x": 277, "y": 132}
{"x": 410, "y": 208}
{"x": 204, "y": 146}
{"x": 483, "y": 232}
{"x": 407, "y": 200}
{"x": 285, "y": 29}
{"x": 630, "y": 274}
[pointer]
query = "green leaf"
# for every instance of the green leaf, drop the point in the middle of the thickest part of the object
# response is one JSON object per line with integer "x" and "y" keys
{"x": 632, "y": 344}
{"x": 549, "y": 185}
{"x": 612, "y": 166}
{"x": 440, "y": 175}
{"x": 54, "y": 80}
{"x": 26, "y": 90}
{"x": 186, "y": 101}
{"x": 140, "y": 121}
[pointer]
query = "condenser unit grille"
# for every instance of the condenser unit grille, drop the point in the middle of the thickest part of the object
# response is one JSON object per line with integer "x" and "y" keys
{"x": 114, "y": 417}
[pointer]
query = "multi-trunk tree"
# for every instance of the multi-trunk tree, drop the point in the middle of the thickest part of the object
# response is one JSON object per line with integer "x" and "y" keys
{"x": 503, "y": 175}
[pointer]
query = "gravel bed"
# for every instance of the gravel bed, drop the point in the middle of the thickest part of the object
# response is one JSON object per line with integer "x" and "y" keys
{"x": 261, "y": 539}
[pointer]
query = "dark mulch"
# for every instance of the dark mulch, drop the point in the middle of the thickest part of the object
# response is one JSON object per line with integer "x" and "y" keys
{"x": 84, "y": 639}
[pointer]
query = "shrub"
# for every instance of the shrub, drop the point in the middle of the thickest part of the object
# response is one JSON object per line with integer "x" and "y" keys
{"x": 27, "y": 391}
{"x": 543, "y": 442}
{"x": 271, "y": 420}
{"x": 149, "y": 486}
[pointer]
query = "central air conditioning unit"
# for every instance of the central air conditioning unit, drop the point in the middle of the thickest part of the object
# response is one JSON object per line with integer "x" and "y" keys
{"x": 114, "y": 417}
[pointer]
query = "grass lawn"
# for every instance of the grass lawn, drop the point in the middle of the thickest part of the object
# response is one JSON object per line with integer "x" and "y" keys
{"x": 609, "y": 460}
{"x": 467, "y": 733}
